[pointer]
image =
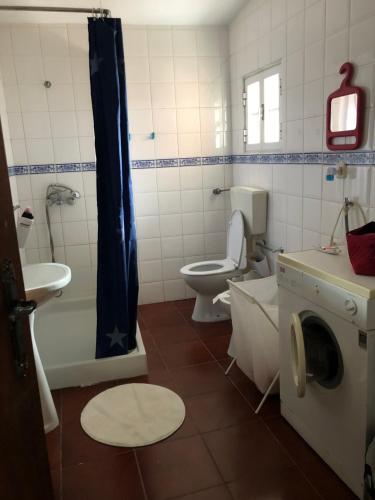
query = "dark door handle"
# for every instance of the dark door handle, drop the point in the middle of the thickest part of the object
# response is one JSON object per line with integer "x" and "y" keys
{"x": 17, "y": 311}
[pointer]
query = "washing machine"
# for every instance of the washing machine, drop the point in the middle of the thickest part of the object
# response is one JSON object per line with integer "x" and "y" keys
{"x": 327, "y": 358}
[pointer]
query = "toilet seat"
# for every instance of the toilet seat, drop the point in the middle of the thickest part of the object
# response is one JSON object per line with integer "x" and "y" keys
{"x": 235, "y": 252}
{"x": 209, "y": 267}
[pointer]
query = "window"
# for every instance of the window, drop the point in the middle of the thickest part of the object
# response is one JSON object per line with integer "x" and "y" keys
{"x": 261, "y": 100}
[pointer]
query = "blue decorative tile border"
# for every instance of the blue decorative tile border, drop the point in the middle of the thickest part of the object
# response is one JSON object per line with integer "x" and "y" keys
{"x": 351, "y": 158}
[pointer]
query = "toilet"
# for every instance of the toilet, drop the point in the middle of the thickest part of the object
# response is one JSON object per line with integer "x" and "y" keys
{"x": 209, "y": 278}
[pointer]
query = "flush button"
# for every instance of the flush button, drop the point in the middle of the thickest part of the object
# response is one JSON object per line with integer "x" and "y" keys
{"x": 350, "y": 307}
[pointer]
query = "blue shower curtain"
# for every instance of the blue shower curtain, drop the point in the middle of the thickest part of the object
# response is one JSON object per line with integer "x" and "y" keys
{"x": 117, "y": 285}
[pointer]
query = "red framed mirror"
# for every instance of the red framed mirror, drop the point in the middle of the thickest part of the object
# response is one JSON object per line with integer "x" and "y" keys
{"x": 345, "y": 111}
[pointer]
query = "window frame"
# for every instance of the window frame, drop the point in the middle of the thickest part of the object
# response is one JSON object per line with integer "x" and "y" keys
{"x": 260, "y": 76}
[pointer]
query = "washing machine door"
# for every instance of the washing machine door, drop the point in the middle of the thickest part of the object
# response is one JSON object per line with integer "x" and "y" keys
{"x": 316, "y": 355}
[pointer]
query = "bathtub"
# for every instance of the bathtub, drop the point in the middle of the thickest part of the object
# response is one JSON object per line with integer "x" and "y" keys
{"x": 65, "y": 331}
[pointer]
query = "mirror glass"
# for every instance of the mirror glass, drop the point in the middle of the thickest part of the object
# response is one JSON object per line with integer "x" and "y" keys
{"x": 344, "y": 113}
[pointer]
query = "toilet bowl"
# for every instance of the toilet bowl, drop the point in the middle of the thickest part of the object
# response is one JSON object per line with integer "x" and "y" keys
{"x": 209, "y": 278}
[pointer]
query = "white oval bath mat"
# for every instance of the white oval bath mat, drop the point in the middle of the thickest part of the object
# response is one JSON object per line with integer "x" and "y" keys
{"x": 133, "y": 415}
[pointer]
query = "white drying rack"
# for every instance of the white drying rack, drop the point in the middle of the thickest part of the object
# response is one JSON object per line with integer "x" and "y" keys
{"x": 276, "y": 377}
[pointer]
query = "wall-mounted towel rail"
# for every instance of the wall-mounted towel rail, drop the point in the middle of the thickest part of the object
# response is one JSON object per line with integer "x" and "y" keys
{"x": 263, "y": 244}
{"x": 219, "y": 190}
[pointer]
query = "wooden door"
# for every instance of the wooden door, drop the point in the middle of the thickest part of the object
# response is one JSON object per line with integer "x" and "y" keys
{"x": 24, "y": 470}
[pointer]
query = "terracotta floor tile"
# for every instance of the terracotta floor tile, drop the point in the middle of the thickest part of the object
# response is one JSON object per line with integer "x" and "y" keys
{"x": 168, "y": 335}
{"x": 77, "y": 446}
{"x": 184, "y": 354}
{"x": 285, "y": 484}
{"x": 218, "y": 493}
{"x": 176, "y": 468}
{"x": 200, "y": 379}
{"x": 246, "y": 446}
{"x": 74, "y": 399}
{"x": 205, "y": 330}
{"x": 216, "y": 410}
{"x": 114, "y": 478}
{"x": 218, "y": 346}
{"x": 154, "y": 361}
{"x": 325, "y": 481}
{"x": 158, "y": 315}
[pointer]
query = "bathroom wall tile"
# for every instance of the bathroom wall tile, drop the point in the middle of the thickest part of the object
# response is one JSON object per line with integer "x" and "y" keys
{"x": 187, "y": 95}
{"x": 168, "y": 179}
{"x": 294, "y": 210}
{"x": 160, "y": 42}
{"x": 175, "y": 289}
{"x": 337, "y": 15}
{"x": 161, "y": 69}
{"x": 188, "y": 120}
{"x": 135, "y": 42}
{"x": 215, "y": 243}
{"x": 314, "y": 59}
{"x": 192, "y": 223}
{"x": 362, "y": 42}
{"x": 92, "y": 227}
{"x": 91, "y": 207}
{"x": 191, "y": 178}
{"x": 213, "y": 176}
{"x": 294, "y": 100}
{"x": 314, "y": 22}
{"x": 184, "y": 42}
{"x": 337, "y": 50}
{"x": 60, "y": 70}
{"x": 361, "y": 9}
{"x": 36, "y": 125}
{"x": 78, "y": 256}
{"x": 170, "y": 225}
{"x": 150, "y": 271}
{"x": 137, "y": 70}
{"x": 358, "y": 184}
{"x": 295, "y": 33}
{"x": 29, "y": 70}
{"x": 330, "y": 212}
{"x": 15, "y": 123}
{"x": 172, "y": 247}
{"x": 54, "y": 40}
{"x": 166, "y": 146}
{"x": 163, "y": 95}
{"x": 80, "y": 70}
{"x": 194, "y": 245}
{"x": 148, "y": 227}
{"x": 189, "y": 145}
{"x": 19, "y": 151}
{"x": 295, "y": 69}
{"x": 39, "y": 151}
{"x": 149, "y": 249}
{"x": 140, "y": 121}
{"x": 313, "y": 99}
{"x": 212, "y": 201}
{"x": 295, "y": 136}
{"x": 144, "y": 181}
{"x": 313, "y": 134}
{"x": 78, "y": 40}
{"x": 312, "y": 181}
{"x": 87, "y": 149}
{"x": 169, "y": 202}
{"x": 32, "y": 98}
{"x": 66, "y": 149}
{"x": 63, "y": 124}
{"x": 43, "y": 234}
{"x": 214, "y": 222}
{"x": 171, "y": 269}
{"x": 60, "y": 97}
{"x": 293, "y": 238}
{"x": 25, "y": 40}
{"x": 150, "y": 293}
{"x": 12, "y": 98}
{"x": 186, "y": 69}
{"x": 192, "y": 200}
{"x": 75, "y": 233}
{"x": 146, "y": 204}
{"x": 82, "y": 97}
{"x": 84, "y": 123}
{"x": 312, "y": 214}
{"x": 164, "y": 120}
{"x": 332, "y": 190}
{"x": 310, "y": 239}
{"x": 142, "y": 147}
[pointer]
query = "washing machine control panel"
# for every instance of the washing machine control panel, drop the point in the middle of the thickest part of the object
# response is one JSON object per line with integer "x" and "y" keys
{"x": 335, "y": 299}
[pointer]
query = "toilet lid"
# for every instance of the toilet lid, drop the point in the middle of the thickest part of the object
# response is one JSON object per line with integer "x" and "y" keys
{"x": 235, "y": 237}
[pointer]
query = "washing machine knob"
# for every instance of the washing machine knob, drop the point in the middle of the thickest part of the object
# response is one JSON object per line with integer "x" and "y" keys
{"x": 351, "y": 307}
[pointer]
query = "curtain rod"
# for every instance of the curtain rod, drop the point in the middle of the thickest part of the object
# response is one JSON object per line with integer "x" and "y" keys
{"x": 102, "y": 12}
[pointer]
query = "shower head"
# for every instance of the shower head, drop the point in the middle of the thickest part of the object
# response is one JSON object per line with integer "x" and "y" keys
{"x": 59, "y": 194}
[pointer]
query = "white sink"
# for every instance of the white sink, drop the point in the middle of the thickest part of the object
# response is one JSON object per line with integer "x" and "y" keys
{"x": 42, "y": 281}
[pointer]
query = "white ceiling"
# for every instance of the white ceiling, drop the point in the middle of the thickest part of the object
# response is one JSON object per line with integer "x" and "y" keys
{"x": 155, "y": 12}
